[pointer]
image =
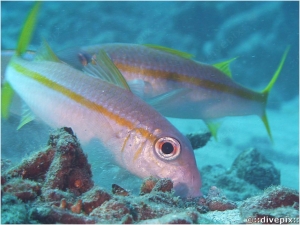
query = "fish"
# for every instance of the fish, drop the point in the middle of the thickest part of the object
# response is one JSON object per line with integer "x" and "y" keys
{"x": 178, "y": 86}
{"x": 97, "y": 104}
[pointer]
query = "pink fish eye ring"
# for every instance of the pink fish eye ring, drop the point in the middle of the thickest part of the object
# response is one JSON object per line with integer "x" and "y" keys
{"x": 167, "y": 148}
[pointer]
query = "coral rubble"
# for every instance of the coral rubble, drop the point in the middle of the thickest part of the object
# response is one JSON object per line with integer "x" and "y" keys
{"x": 256, "y": 169}
{"x": 55, "y": 186}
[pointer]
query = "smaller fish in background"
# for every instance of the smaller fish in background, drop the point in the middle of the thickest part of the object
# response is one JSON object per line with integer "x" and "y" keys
{"x": 178, "y": 86}
{"x": 98, "y": 104}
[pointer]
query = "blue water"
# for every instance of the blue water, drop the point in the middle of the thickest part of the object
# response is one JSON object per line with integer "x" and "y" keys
{"x": 256, "y": 32}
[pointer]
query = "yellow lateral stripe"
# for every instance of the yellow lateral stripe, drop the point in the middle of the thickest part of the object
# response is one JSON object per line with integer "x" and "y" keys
{"x": 243, "y": 93}
{"x": 77, "y": 98}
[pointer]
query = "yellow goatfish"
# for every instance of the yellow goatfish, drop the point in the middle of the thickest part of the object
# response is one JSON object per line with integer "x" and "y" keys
{"x": 141, "y": 140}
{"x": 178, "y": 86}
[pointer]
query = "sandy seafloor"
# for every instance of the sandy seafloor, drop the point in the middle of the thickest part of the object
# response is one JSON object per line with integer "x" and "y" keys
{"x": 257, "y": 32}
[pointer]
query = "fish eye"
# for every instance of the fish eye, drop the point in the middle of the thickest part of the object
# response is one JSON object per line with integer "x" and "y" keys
{"x": 167, "y": 148}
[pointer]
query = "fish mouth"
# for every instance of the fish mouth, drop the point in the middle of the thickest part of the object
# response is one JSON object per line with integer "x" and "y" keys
{"x": 189, "y": 185}
{"x": 185, "y": 191}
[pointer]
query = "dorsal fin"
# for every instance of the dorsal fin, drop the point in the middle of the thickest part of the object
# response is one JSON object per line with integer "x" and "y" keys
{"x": 102, "y": 67}
{"x": 224, "y": 66}
{"x": 170, "y": 50}
{"x": 46, "y": 53}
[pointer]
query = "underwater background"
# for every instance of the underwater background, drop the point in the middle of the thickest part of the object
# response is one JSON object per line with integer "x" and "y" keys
{"x": 256, "y": 32}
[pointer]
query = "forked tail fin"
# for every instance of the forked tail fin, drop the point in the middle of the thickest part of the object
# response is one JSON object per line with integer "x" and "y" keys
{"x": 267, "y": 90}
{"x": 7, "y": 92}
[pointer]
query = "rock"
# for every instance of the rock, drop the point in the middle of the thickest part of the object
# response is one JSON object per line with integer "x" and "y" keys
{"x": 112, "y": 211}
{"x": 13, "y": 210}
{"x": 94, "y": 198}
{"x": 25, "y": 190}
{"x": 163, "y": 185}
{"x": 254, "y": 168}
{"x": 233, "y": 187}
{"x": 147, "y": 185}
{"x": 188, "y": 217}
{"x": 46, "y": 214}
{"x": 216, "y": 201}
{"x": 199, "y": 140}
{"x": 34, "y": 167}
{"x": 117, "y": 190}
{"x": 55, "y": 195}
{"x": 69, "y": 168}
{"x": 273, "y": 197}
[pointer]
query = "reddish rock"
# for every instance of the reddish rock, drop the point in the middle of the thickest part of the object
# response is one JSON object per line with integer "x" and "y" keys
{"x": 25, "y": 190}
{"x": 94, "y": 198}
{"x": 216, "y": 201}
{"x": 35, "y": 167}
{"x": 69, "y": 169}
{"x": 221, "y": 205}
{"x": 188, "y": 217}
{"x": 163, "y": 185}
{"x": 117, "y": 190}
{"x": 147, "y": 185}
{"x": 112, "y": 210}
{"x": 52, "y": 215}
{"x": 273, "y": 197}
{"x": 55, "y": 195}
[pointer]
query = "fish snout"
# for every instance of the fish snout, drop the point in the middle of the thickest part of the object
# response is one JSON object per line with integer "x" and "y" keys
{"x": 189, "y": 185}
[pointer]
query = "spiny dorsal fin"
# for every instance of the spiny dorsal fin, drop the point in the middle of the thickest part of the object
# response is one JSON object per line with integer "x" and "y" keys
{"x": 102, "y": 67}
{"x": 224, "y": 66}
{"x": 27, "y": 31}
{"x": 170, "y": 50}
{"x": 46, "y": 53}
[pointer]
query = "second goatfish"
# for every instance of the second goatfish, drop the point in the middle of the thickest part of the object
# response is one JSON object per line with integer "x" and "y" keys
{"x": 178, "y": 86}
{"x": 141, "y": 140}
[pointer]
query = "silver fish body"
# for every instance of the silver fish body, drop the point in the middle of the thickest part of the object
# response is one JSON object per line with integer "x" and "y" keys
{"x": 136, "y": 134}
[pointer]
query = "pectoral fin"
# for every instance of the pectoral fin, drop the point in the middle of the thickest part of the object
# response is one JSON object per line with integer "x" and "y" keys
{"x": 138, "y": 87}
{"x": 162, "y": 101}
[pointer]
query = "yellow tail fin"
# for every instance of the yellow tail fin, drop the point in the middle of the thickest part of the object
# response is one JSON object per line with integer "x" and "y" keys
{"x": 267, "y": 90}
{"x": 28, "y": 28}
{"x": 7, "y": 92}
